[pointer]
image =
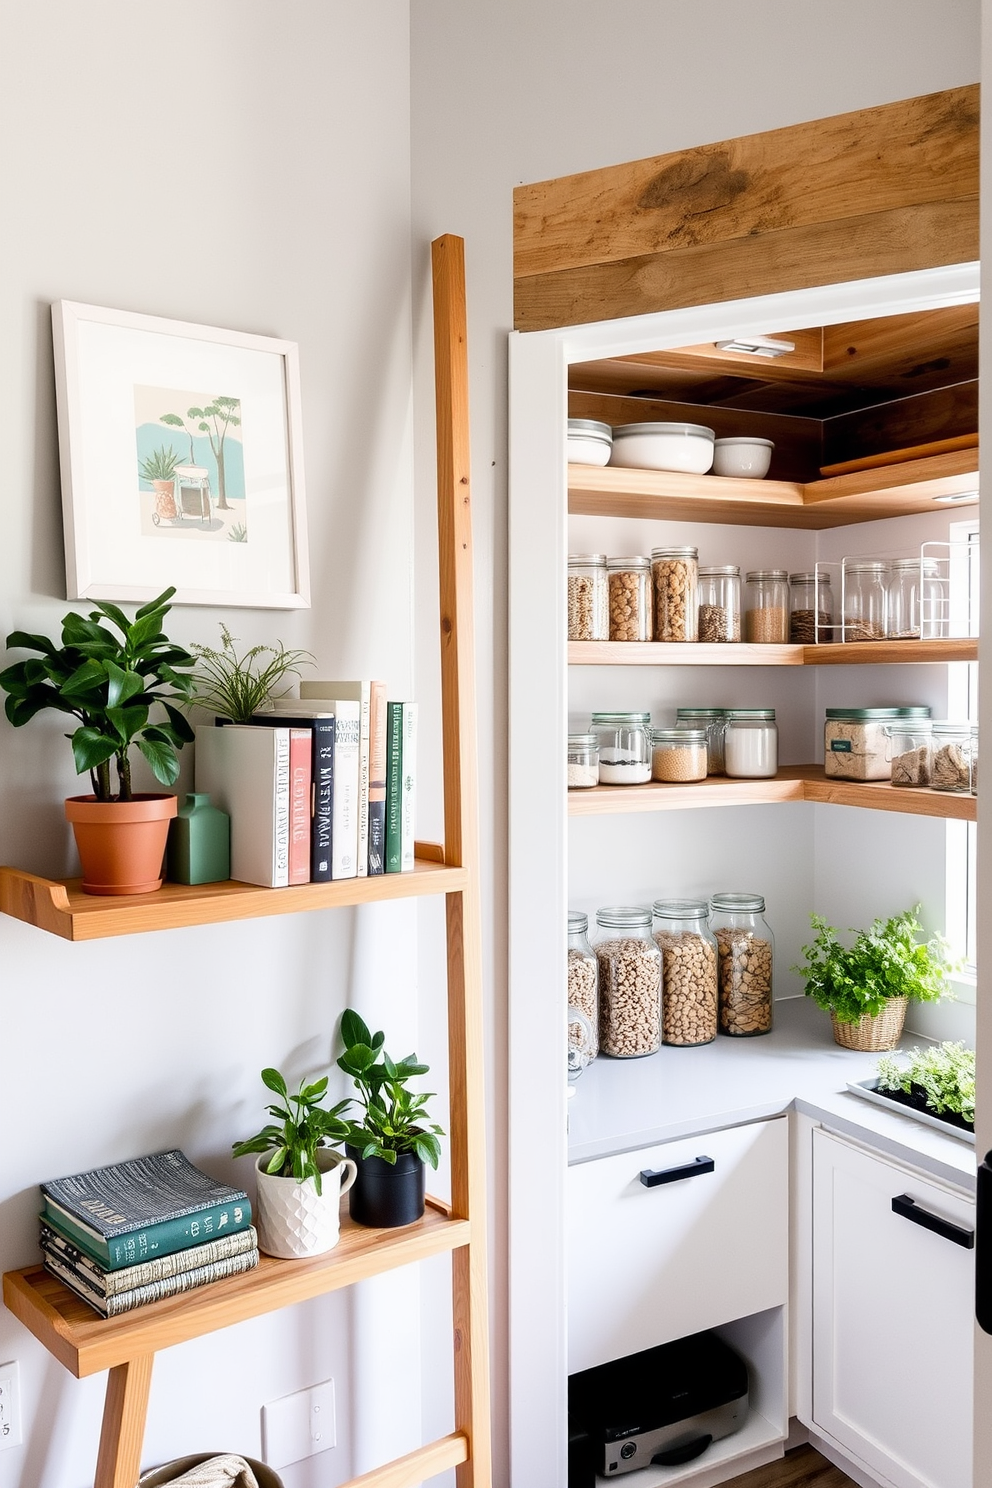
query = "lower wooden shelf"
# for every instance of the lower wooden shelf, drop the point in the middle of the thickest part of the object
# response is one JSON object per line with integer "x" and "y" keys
{"x": 86, "y": 1343}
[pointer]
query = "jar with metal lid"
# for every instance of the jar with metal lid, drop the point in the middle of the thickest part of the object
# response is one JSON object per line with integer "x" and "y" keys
{"x": 910, "y": 751}
{"x": 678, "y": 755}
{"x": 974, "y": 759}
{"x": 914, "y": 589}
{"x": 689, "y": 977}
{"x": 811, "y": 609}
{"x": 583, "y": 761}
{"x": 675, "y": 573}
{"x": 629, "y": 983}
{"x": 714, "y": 721}
{"x": 856, "y": 742}
{"x": 583, "y": 975}
{"x": 624, "y": 747}
{"x": 745, "y": 953}
{"x": 720, "y": 604}
{"x": 951, "y": 769}
{"x": 631, "y": 599}
{"x": 588, "y": 602}
{"x": 766, "y": 607}
{"x": 865, "y": 601}
{"x": 750, "y": 743}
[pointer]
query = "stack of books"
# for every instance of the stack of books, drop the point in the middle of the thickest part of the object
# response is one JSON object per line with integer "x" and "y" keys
{"x": 322, "y": 787}
{"x": 135, "y": 1232}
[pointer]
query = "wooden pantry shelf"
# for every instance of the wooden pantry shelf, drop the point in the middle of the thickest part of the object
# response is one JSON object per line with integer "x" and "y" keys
{"x": 678, "y": 653}
{"x": 60, "y": 906}
{"x": 792, "y": 783}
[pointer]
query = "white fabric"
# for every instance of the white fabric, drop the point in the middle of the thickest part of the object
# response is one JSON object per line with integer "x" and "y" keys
{"x": 218, "y": 1472}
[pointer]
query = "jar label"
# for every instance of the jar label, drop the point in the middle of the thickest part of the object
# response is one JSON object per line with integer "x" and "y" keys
{"x": 840, "y": 746}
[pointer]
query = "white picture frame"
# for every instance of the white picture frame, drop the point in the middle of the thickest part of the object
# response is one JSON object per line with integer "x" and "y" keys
{"x": 226, "y": 407}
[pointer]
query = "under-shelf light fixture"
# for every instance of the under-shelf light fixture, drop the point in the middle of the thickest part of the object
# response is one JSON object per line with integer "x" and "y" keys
{"x": 957, "y": 496}
{"x": 760, "y": 346}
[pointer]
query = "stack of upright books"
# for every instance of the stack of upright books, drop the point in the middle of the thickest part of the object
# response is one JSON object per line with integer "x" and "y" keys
{"x": 138, "y": 1231}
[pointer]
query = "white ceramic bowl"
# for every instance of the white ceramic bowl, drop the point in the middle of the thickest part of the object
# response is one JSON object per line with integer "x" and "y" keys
{"x": 742, "y": 456}
{"x": 686, "y": 447}
{"x": 589, "y": 442}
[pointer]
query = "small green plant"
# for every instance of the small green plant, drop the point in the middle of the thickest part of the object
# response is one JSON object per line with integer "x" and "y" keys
{"x": 886, "y": 960}
{"x": 237, "y": 532}
{"x": 393, "y": 1119}
{"x": 305, "y": 1126}
{"x": 110, "y": 684}
{"x": 160, "y": 465}
{"x": 238, "y": 686}
{"x": 944, "y": 1075}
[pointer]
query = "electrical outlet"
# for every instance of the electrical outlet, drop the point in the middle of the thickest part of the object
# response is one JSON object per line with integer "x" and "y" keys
{"x": 10, "y": 1406}
{"x": 299, "y": 1425}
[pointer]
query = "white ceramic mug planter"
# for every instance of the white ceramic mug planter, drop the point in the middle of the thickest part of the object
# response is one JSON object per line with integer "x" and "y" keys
{"x": 293, "y": 1220}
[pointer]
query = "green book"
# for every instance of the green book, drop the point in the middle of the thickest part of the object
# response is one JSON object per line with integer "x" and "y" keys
{"x": 394, "y": 787}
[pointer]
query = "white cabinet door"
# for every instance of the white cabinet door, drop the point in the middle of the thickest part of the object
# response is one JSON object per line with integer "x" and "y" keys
{"x": 892, "y": 1318}
{"x": 649, "y": 1264}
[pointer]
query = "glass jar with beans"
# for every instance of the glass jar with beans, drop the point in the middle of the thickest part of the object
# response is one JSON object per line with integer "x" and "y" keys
{"x": 720, "y": 604}
{"x": 811, "y": 609}
{"x": 629, "y": 983}
{"x": 745, "y": 952}
{"x": 588, "y": 601}
{"x": 678, "y": 755}
{"x": 675, "y": 572}
{"x": 631, "y": 599}
{"x": 583, "y": 975}
{"x": 689, "y": 971}
{"x": 714, "y": 721}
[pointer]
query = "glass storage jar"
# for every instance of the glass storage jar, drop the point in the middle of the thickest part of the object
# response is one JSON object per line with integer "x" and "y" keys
{"x": 624, "y": 747}
{"x": 583, "y": 975}
{"x": 720, "y": 604}
{"x": 745, "y": 952}
{"x": 811, "y": 609}
{"x": 588, "y": 603}
{"x": 631, "y": 599}
{"x": 583, "y": 761}
{"x": 910, "y": 751}
{"x": 856, "y": 742}
{"x": 915, "y": 589}
{"x": 766, "y": 607}
{"x": 678, "y": 755}
{"x": 580, "y": 1055}
{"x": 750, "y": 743}
{"x": 951, "y": 768}
{"x": 974, "y": 759}
{"x": 864, "y": 601}
{"x": 629, "y": 983}
{"x": 675, "y": 574}
{"x": 688, "y": 971}
{"x": 714, "y": 721}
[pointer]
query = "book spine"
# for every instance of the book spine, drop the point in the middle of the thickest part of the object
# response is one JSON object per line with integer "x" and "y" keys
{"x": 377, "y": 779}
{"x": 107, "y": 1283}
{"x": 394, "y": 787}
{"x": 155, "y": 1291}
{"x": 300, "y": 806}
{"x": 362, "y": 858}
{"x": 163, "y": 1238}
{"x": 323, "y": 797}
{"x": 409, "y": 809}
{"x": 344, "y": 857}
{"x": 281, "y": 811}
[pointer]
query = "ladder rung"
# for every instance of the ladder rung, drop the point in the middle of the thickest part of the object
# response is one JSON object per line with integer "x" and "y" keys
{"x": 425, "y": 1462}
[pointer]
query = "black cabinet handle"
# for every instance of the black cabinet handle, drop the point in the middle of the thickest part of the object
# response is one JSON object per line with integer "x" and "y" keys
{"x": 672, "y": 1175}
{"x": 983, "y": 1254}
{"x": 910, "y": 1209}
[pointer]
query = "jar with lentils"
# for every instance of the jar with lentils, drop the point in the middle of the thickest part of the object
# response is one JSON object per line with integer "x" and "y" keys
{"x": 631, "y": 599}
{"x": 583, "y": 975}
{"x": 588, "y": 602}
{"x": 714, "y": 721}
{"x": 689, "y": 975}
{"x": 720, "y": 604}
{"x": 678, "y": 755}
{"x": 745, "y": 951}
{"x": 766, "y": 607}
{"x": 811, "y": 609}
{"x": 675, "y": 572}
{"x": 629, "y": 983}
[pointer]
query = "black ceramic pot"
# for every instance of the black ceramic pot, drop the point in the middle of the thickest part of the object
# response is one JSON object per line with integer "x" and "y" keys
{"x": 386, "y": 1195}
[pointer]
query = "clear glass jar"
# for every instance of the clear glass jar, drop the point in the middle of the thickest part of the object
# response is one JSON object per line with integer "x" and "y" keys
{"x": 856, "y": 742}
{"x": 588, "y": 602}
{"x": 583, "y": 761}
{"x": 811, "y": 609}
{"x": 935, "y": 599}
{"x": 865, "y": 601}
{"x": 583, "y": 975}
{"x": 678, "y": 755}
{"x": 675, "y": 574}
{"x": 974, "y": 759}
{"x": 915, "y": 589}
{"x": 714, "y": 721}
{"x": 750, "y": 744}
{"x": 745, "y": 953}
{"x": 720, "y": 604}
{"x": 631, "y": 599}
{"x": 580, "y": 1036}
{"x": 911, "y": 751}
{"x": 766, "y": 607}
{"x": 629, "y": 983}
{"x": 951, "y": 769}
{"x": 689, "y": 977}
{"x": 624, "y": 747}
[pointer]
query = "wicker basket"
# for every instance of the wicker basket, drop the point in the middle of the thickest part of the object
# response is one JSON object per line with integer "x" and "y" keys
{"x": 873, "y": 1035}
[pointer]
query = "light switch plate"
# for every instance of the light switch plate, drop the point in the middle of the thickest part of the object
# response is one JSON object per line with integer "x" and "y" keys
{"x": 299, "y": 1425}
{"x": 10, "y": 1406}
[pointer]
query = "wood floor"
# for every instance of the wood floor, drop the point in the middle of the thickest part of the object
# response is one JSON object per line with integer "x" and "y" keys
{"x": 801, "y": 1468}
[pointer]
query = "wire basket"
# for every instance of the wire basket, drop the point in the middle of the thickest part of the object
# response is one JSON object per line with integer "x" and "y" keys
{"x": 873, "y": 1035}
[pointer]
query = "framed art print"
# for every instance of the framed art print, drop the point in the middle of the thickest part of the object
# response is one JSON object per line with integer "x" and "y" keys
{"x": 182, "y": 461}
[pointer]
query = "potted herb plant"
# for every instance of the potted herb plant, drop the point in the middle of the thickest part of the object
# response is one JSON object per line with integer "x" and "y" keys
{"x": 866, "y": 988}
{"x": 300, "y": 1177}
{"x": 109, "y": 676}
{"x": 939, "y": 1080}
{"x": 393, "y": 1138}
{"x": 236, "y": 687}
{"x": 159, "y": 470}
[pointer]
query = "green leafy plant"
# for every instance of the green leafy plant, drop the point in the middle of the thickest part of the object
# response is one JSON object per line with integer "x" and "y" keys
{"x": 393, "y": 1119}
{"x": 237, "y": 532}
{"x": 943, "y": 1075}
{"x": 219, "y": 415}
{"x": 305, "y": 1125}
{"x": 886, "y": 960}
{"x": 109, "y": 682}
{"x": 160, "y": 465}
{"x": 238, "y": 686}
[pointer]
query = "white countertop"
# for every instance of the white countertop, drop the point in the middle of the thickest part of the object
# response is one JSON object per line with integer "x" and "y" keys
{"x": 622, "y": 1104}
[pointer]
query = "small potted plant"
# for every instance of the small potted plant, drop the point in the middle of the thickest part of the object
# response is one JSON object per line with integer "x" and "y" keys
{"x": 110, "y": 682}
{"x": 866, "y": 988}
{"x": 393, "y": 1138}
{"x": 236, "y": 687}
{"x": 159, "y": 470}
{"x": 300, "y": 1177}
{"x": 939, "y": 1081}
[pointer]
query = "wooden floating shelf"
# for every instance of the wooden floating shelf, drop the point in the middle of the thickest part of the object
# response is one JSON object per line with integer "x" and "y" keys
{"x": 792, "y": 783}
{"x": 863, "y": 496}
{"x": 60, "y": 906}
{"x": 86, "y": 1343}
{"x": 855, "y": 653}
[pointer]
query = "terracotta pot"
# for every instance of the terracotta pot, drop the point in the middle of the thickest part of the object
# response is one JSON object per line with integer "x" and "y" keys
{"x": 121, "y": 843}
{"x": 165, "y": 498}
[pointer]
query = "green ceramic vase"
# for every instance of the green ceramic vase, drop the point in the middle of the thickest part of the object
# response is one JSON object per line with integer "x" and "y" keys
{"x": 199, "y": 842}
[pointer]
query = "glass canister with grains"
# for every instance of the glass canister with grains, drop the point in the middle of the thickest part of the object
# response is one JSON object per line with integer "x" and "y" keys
{"x": 629, "y": 983}
{"x": 745, "y": 952}
{"x": 689, "y": 976}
